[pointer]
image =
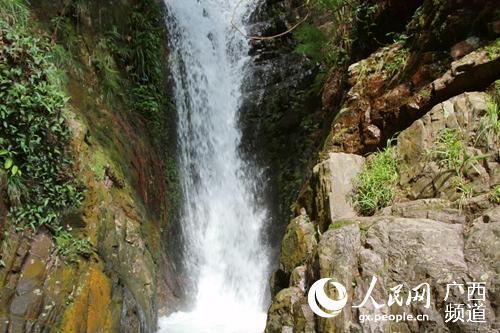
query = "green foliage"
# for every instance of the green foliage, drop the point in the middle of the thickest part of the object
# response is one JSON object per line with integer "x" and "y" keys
{"x": 489, "y": 128}
{"x": 330, "y": 4}
{"x": 396, "y": 64}
{"x": 140, "y": 52}
{"x": 493, "y": 50}
{"x": 34, "y": 137}
{"x": 495, "y": 195}
{"x": 64, "y": 53}
{"x": 328, "y": 47}
{"x": 375, "y": 186}
{"x": 464, "y": 189}
{"x": 13, "y": 12}
{"x": 449, "y": 150}
{"x": 450, "y": 153}
{"x": 105, "y": 67}
{"x": 69, "y": 247}
{"x": 312, "y": 42}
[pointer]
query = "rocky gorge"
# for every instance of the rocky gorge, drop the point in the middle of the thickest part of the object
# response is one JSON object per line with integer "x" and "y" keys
{"x": 375, "y": 124}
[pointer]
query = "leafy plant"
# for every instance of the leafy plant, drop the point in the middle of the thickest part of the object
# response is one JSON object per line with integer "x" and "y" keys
{"x": 395, "y": 64}
{"x": 375, "y": 185}
{"x": 140, "y": 51}
{"x": 449, "y": 150}
{"x": 489, "y": 128}
{"x": 493, "y": 50}
{"x": 34, "y": 137}
{"x": 495, "y": 195}
{"x": 330, "y": 46}
{"x": 105, "y": 66}
{"x": 464, "y": 188}
{"x": 312, "y": 42}
{"x": 70, "y": 247}
{"x": 13, "y": 12}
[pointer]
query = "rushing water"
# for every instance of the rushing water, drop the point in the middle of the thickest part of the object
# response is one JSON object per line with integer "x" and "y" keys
{"x": 224, "y": 256}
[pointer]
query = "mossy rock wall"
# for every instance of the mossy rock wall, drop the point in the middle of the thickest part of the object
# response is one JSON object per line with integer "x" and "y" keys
{"x": 122, "y": 164}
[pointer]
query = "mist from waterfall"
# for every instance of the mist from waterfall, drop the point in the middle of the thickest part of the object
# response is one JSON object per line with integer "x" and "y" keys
{"x": 225, "y": 259}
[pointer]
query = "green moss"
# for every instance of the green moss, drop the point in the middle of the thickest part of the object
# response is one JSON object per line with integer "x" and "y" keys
{"x": 340, "y": 224}
{"x": 425, "y": 93}
{"x": 99, "y": 163}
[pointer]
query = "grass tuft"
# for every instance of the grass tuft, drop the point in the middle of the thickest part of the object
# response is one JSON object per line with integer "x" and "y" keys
{"x": 375, "y": 186}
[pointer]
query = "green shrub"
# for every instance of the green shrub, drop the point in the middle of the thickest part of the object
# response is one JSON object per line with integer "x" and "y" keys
{"x": 69, "y": 247}
{"x": 34, "y": 137}
{"x": 397, "y": 63}
{"x": 13, "y": 12}
{"x": 140, "y": 51}
{"x": 451, "y": 154}
{"x": 105, "y": 67}
{"x": 375, "y": 186}
{"x": 312, "y": 42}
{"x": 328, "y": 47}
{"x": 489, "y": 127}
{"x": 493, "y": 50}
{"x": 495, "y": 195}
{"x": 449, "y": 150}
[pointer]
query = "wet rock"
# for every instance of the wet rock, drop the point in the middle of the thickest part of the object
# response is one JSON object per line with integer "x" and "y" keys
{"x": 298, "y": 277}
{"x": 279, "y": 280}
{"x": 464, "y": 47}
{"x": 290, "y": 313}
{"x": 401, "y": 250}
{"x": 298, "y": 244}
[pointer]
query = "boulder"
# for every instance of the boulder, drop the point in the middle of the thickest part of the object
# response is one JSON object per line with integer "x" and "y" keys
{"x": 333, "y": 187}
{"x": 290, "y": 313}
{"x": 395, "y": 250}
{"x": 409, "y": 251}
{"x": 298, "y": 244}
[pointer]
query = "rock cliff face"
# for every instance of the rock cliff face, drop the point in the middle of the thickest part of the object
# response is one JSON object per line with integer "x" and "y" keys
{"x": 427, "y": 235}
{"x": 441, "y": 226}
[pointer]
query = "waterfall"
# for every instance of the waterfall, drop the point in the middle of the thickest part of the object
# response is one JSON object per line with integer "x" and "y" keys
{"x": 224, "y": 255}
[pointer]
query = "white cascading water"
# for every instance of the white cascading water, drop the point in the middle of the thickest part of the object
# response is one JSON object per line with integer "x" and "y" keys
{"x": 224, "y": 254}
